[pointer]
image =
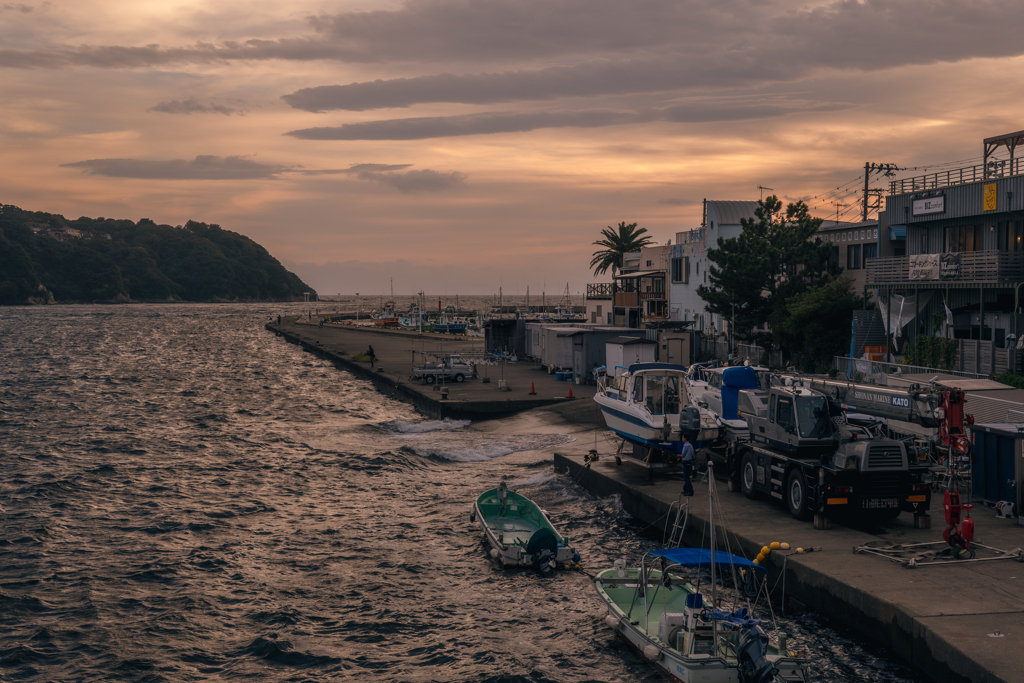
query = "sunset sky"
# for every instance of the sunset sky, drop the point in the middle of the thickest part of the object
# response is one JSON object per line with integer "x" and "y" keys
{"x": 459, "y": 146}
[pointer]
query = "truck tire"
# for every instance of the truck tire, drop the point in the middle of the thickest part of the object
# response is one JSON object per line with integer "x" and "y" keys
{"x": 748, "y": 475}
{"x": 460, "y": 378}
{"x": 429, "y": 379}
{"x": 795, "y": 494}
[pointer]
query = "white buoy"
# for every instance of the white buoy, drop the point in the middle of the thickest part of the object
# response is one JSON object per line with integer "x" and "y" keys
{"x": 612, "y": 621}
{"x": 652, "y": 652}
{"x": 494, "y": 553}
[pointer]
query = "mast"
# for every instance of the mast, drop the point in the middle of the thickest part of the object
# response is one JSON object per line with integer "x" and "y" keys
{"x": 714, "y": 546}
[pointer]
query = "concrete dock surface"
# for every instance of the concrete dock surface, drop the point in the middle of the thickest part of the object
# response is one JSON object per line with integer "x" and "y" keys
{"x": 953, "y": 622}
{"x": 399, "y": 351}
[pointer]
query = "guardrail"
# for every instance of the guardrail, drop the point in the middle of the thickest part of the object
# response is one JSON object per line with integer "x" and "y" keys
{"x": 975, "y": 266}
{"x": 1001, "y": 168}
{"x": 859, "y": 367}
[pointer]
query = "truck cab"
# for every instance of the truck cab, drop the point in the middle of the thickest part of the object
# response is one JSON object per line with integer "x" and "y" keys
{"x": 802, "y": 452}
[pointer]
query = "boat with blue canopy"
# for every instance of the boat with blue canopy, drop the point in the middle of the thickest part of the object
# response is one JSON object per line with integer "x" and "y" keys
{"x": 660, "y": 610}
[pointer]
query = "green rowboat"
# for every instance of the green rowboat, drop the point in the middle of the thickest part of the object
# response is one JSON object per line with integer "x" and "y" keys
{"x": 519, "y": 532}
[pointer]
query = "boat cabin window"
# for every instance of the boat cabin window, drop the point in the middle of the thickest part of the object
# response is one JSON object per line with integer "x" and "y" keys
{"x": 638, "y": 389}
{"x": 716, "y": 380}
{"x": 663, "y": 394}
{"x": 784, "y": 414}
{"x": 812, "y": 413}
{"x": 771, "y": 409}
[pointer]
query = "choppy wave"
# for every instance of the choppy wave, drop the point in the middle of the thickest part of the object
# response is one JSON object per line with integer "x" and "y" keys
{"x": 406, "y": 427}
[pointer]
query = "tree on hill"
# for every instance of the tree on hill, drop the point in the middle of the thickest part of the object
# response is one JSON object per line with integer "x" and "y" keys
{"x": 617, "y": 243}
{"x": 103, "y": 259}
{"x": 772, "y": 260}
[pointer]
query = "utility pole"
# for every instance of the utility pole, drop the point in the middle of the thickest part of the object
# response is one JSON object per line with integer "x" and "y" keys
{"x": 888, "y": 169}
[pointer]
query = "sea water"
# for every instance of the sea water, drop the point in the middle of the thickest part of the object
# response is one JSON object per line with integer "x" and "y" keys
{"x": 186, "y": 497}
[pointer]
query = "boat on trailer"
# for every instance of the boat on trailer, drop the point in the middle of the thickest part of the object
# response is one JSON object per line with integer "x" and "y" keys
{"x": 648, "y": 406}
{"x": 665, "y": 618}
{"x": 520, "y": 533}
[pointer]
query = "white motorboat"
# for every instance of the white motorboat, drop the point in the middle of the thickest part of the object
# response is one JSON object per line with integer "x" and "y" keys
{"x": 648, "y": 405}
{"x": 721, "y": 394}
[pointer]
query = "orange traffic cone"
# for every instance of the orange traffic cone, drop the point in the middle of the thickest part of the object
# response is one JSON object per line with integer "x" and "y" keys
{"x": 570, "y": 392}
{"x": 533, "y": 392}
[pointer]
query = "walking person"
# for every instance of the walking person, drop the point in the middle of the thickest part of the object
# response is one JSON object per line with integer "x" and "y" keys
{"x": 371, "y": 355}
{"x": 688, "y": 459}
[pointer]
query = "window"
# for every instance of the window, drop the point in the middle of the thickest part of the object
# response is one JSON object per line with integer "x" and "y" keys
{"x": 1009, "y": 236}
{"x": 963, "y": 238}
{"x": 638, "y": 390}
{"x": 870, "y": 251}
{"x": 833, "y": 260}
{"x": 814, "y": 417}
{"x": 784, "y": 414}
{"x": 771, "y": 409}
{"x": 679, "y": 273}
{"x": 853, "y": 257}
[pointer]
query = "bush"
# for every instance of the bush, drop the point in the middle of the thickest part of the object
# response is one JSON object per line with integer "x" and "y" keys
{"x": 932, "y": 352}
{"x": 1008, "y": 377}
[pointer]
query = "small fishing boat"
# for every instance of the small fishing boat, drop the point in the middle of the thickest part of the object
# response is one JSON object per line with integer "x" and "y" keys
{"x": 449, "y": 323}
{"x": 662, "y": 616}
{"x": 519, "y": 532}
{"x": 386, "y": 317}
{"x": 648, "y": 405}
{"x": 721, "y": 396}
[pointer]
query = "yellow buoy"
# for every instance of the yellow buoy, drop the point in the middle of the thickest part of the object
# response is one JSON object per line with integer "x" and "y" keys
{"x": 784, "y": 546}
{"x": 757, "y": 561}
{"x": 765, "y": 550}
{"x": 760, "y": 558}
{"x": 774, "y": 545}
{"x": 799, "y": 550}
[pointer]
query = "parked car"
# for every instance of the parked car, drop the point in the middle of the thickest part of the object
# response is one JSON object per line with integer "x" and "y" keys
{"x": 451, "y": 367}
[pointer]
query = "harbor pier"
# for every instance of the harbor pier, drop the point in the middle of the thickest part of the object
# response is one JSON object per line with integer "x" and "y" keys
{"x": 499, "y": 389}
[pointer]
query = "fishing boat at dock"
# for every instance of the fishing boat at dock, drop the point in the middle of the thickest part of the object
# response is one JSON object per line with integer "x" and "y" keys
{"x": 520, "y": 533}
{"x": 648, "y": 405}
{"x": 659, "y": 612}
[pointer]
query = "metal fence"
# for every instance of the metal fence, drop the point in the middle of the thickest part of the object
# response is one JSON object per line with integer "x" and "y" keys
{"x": 859, "y": 369}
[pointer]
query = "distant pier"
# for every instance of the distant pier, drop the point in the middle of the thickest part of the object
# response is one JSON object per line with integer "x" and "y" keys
{"x": 498, "y": 390}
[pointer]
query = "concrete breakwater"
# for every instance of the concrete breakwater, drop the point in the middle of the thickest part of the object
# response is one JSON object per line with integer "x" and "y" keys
{"x": 961, "y": 622}
{"x": 399, "y": 351}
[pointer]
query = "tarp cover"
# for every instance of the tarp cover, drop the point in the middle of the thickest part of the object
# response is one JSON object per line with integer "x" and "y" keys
{"x": 701, "y": 557}
{"x": 733, "y": 381}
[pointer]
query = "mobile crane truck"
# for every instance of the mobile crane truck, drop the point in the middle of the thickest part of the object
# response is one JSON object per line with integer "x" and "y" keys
{"x": 800, "y": 448}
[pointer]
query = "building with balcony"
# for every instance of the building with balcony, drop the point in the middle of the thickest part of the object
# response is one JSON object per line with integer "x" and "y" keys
{"x": 963, "y": 231}
{"x": 852, "y": 245}
{"x": 689, "y": 264}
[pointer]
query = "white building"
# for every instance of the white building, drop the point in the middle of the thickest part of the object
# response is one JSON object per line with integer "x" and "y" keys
{"x": 689, "y": 266}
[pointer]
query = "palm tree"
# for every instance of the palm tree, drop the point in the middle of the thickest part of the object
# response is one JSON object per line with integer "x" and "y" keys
{"x": 616, "y": 245}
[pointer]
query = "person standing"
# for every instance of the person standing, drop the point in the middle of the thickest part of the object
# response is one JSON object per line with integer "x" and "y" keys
{"x": 688, "y": 458}
{"x": 371, "y": 355}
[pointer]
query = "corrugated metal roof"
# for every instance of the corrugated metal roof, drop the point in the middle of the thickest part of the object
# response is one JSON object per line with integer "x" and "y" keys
{"x": 730, "y": 212}
{"x": 625, "y": 341}
{"x": 844, "y": 225}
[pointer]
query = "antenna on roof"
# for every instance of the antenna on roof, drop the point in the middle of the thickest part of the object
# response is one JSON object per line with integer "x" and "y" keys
{"x": 763, "y": 188}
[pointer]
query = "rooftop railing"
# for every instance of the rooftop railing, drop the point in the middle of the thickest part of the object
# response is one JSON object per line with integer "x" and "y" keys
{"x": 1002, "y": 168}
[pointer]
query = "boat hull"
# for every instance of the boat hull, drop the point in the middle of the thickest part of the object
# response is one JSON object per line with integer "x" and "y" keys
{"x": 509, "y": 528}
{"x": 628, "y": 424}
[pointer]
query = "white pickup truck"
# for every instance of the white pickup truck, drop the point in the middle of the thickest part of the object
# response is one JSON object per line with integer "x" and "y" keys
{"x": 452, "y": 367}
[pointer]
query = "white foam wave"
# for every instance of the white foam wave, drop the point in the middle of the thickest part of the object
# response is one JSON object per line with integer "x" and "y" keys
{"x": 536, "y": 480}
{"x": 405, "y": 427}
{"x": 475, "y": 447}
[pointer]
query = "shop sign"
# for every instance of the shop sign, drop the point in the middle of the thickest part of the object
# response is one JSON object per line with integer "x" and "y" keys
{"x": 924, "y": 266}
{"x": 930, "y": 205}
{"x": 990, "y": 197}
{"x": 950, "y": 266}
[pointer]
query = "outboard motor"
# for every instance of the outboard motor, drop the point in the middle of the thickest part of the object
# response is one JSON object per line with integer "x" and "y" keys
{"x": 751, "y": 647}
{"x": 689, "y": 422}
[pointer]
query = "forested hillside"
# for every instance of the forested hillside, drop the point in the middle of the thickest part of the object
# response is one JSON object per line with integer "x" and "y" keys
{"x": 46, "y": 258}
